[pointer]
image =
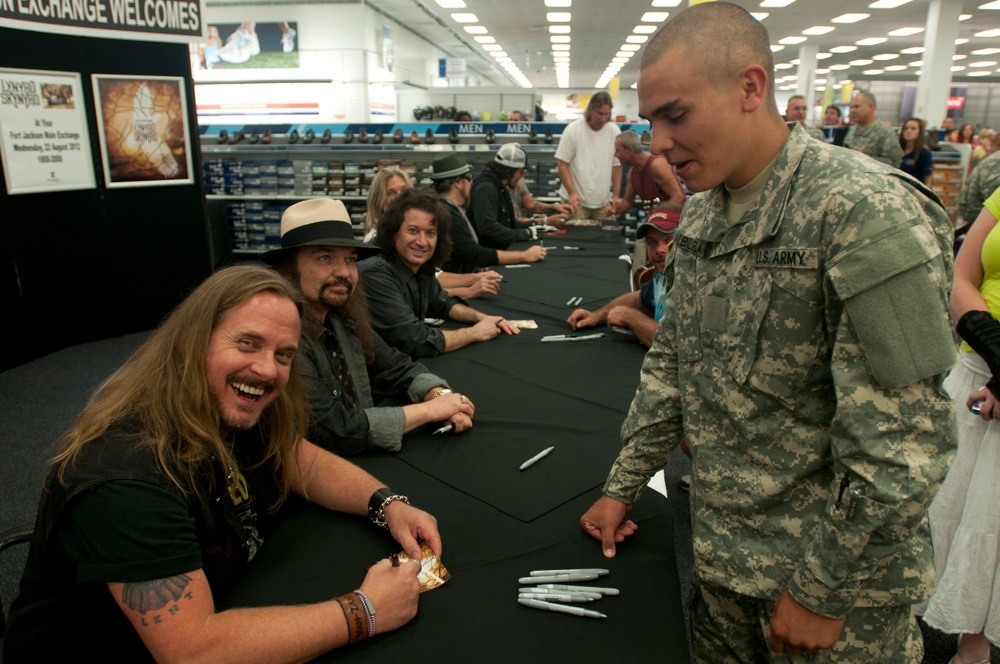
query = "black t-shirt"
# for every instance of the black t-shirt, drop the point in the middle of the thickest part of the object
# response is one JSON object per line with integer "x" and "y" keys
{"x": 119, "y": 519}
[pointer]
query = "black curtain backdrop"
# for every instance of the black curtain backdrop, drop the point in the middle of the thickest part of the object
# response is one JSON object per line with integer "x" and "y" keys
{"x": 76, "y": 266}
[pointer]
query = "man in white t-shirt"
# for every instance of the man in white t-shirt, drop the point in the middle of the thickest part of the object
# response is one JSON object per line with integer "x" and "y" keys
{"x": 591, "y": 174}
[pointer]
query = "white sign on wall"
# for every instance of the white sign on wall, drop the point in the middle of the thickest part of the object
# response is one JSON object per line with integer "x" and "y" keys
{"x": 44, "y": 142}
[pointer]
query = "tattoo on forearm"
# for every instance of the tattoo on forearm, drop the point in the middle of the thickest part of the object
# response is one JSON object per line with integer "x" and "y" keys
{"x": 146, "y": 596}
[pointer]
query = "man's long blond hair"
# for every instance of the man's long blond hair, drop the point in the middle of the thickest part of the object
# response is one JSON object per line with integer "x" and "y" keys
{"x": 163, "y": 387}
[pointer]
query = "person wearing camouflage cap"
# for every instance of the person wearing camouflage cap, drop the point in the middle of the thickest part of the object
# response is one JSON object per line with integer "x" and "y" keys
{"x": 802, "y": 352}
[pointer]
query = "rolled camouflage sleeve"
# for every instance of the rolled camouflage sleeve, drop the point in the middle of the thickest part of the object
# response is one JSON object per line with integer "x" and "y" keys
{"x": 893, "y": 438}
{"x": 653, "y": 428}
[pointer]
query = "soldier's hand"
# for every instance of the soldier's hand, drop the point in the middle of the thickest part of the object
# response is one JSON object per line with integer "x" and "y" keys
{"x": 605, "y": 521}
{"x": 797, "y": 630}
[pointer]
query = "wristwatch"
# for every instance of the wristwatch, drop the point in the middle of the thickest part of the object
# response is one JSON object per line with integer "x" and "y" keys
{"x": 441, "y": 392}
{"x": 379, "y": 501}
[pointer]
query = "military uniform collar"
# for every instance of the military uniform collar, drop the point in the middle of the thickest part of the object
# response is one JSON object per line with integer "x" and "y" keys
{"x": 710, "y": 235}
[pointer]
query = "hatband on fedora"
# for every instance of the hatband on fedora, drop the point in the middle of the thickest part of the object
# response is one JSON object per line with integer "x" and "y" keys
{"x": 449, "y": 166}
{"x": 317, "y": 222}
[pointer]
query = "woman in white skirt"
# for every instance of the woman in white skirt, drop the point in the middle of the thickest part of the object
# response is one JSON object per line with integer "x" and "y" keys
{"x": 965, "y": 515}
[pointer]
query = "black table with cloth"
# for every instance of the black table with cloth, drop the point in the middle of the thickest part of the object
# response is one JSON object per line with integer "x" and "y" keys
{"x": 497, "y": 522}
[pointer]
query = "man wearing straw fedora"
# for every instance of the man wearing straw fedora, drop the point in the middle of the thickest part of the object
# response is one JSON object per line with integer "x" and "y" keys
{"x": 345, "y": 361}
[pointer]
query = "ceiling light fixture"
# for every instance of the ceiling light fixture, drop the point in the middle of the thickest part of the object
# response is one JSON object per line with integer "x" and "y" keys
{"x": 913, "y": 50}
{"x": 887, "y": 4}
{"x": 843, "y": 49}
{"x": 776, "y": 3}
{"x": 559, "y": 17}
{"x": 644, "y": 29}
{"x": 636, "y": 39}
{"x": 905, "y": 32}
{"x": 849, "y": 18}
{"x": 476, "y": 29}
{"x": 450, "y": 4}
{"x": 871, "y": 41}
{"x": 818, "y": 30}
{"x": 654, "y": 17}
{"x": 791, "y": 40}
{"x": 760, "y": 16}
{"x": 464, "y": 17}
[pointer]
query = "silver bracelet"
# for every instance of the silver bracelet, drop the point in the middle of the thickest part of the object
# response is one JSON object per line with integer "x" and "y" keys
{"x": 369, "y": 609}
{"x": 379, "y": 517}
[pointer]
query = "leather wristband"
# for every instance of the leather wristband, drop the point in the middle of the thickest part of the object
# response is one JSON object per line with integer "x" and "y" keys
{"x": 356, "y": 616}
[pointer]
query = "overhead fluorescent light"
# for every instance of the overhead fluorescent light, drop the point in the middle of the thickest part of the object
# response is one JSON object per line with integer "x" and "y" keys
{"x": 905, "y": 32}
{"x": 959, "y": 42}
{"x": 964, "y": 17}
{"x": 485, "y": 39}
{"x": 559, "y": 39}
{"x": 464, "y": 17}
{"x": 988, "y": 33}
{"x": 887, "y": 4}
{"x": 873, "y": 72}
{"x": 958, "y": 68}
{"x": 644, "y": 29}
{"x": 631, "y": 47}
{"x": 861, "y": 63}
{"x": 991, "y": 5}
{"x": 818, "y": 30}
{"x": 559, "y": 17}
{"x": 896, "y": 68}
{"x": 492, "y": 47}
{"x": 839, "y": 67}
{"x": 959, "y": 56}
{"x": 870, "y": 41}
{"x": 986, "y": 51}
{"x": 559, "y": 29}
{"x": 776, "y": 3}
{"x": 624, "y": 54}
{"x": 776, "y": 47}
{"x": 783, "y": 65}
{"x": 654, "y": 17}
{"x": 760, "y": 16}
{"x": 560, "y": 47}
{"x": 913, "y": 50}
{"x": 885, "y": 56}
{"x": 843, "y": 49}
{"x": 983, "y": 63}
{"x": 636, "y": 39}
{"x": 666, "y": 3}
{"x": 915, "y": 63}
{"x": 978, "y": 73}
{"x": 791, "y": 40}
{"x": 849, "y": 18}
{"x": 823, "y": 56}
{"x": 450, "y": 4}
{"x": 558, "y": 3}
{"x": 476, "y": 29}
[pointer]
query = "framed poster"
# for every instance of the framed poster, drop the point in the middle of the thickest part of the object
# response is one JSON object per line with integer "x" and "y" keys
{"x": 44, "y": 142}
{"x": 145, "y": 139}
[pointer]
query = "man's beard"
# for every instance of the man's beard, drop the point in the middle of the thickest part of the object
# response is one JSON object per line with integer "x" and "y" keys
{"x": 335, "y": 300}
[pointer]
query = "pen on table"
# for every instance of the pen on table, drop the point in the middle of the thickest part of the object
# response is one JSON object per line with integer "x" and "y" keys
{"x": 553, "y": 596}
{"x": 536, "y": 592}
{"x": 555, "y": 572}
{"x": 558, "y": 578}
{"x": 560, "y": 608}
{"x": 573, "y": 248}
{"x": 582, "y": 589}
{"x": 571, "y": 301}
{"x": 445, "y": 429}
{"x": 533, "y": 460}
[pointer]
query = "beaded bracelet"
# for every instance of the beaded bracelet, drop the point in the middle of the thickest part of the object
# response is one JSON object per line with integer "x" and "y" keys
{"x": 356, "y": 616}
{"x": 369, "y": 609}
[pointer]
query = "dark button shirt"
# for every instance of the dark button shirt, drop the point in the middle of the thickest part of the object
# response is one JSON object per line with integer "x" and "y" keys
{"x": 342, "y": 390}
{"x": 398, "y": 302}
{"x": 492, "y": 212}
{"x": 467, "y": 255}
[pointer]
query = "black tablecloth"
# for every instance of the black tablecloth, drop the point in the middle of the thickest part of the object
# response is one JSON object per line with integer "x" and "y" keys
{"x": 497, "y": 522}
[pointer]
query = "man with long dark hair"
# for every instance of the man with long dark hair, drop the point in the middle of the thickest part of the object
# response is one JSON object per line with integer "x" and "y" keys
{"x": 169, "y": 482}
{"x": 414, "y": 239}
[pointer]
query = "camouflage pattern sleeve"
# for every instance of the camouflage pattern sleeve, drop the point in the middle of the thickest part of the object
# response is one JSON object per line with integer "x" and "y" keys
{"x": 892, "y": 439}
{"x": 984, "y": 181}
{"x": 653, "y": 426}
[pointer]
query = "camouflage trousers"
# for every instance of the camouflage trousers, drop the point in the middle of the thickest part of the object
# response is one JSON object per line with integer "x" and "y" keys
{"x": 727, "y": 627}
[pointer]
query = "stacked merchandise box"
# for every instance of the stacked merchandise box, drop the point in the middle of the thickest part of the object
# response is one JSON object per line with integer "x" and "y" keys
{"x": 352, "y": 178}
{"x": 246, "y": 224}
{"x": 335, "y": 179}
{"x": 547, "y": 184}
{"x": 272, "y": 227}
{"x": 320, "y": 171}
{"x": 358, "y": 212}
{"x": 214, "y": 174}
{"x": 368, "y": 170}
{"x": 268, "y": 177}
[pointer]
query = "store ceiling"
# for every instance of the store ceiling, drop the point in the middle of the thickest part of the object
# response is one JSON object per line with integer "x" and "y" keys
{"x": 599, "y": 29}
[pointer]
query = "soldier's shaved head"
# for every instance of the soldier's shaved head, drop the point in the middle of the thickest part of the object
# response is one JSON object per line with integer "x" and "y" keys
{"x": 721, "y": 39}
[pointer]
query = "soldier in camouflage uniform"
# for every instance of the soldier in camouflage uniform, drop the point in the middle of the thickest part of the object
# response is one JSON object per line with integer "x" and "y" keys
{"x": 796, "y": 111}
{"x": 802, "y": 352}
{"x": 868, "y": 135}
{"x": 985, "y": 179}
